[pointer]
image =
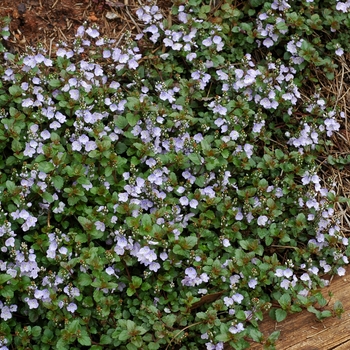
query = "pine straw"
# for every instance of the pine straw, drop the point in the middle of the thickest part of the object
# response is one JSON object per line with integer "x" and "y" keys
{"x": 338, "y": 177}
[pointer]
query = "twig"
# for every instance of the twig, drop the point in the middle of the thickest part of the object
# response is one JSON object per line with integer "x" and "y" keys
{"x": 132, "y": 19}
{"x": 194, "y": 324}
{"x": 51, "y": 40}
{"x": 55, "y": 3}
{"x": 60, "y": 30}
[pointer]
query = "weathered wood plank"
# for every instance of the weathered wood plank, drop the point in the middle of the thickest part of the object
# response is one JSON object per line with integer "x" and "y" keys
{"x": 302, "y": 331}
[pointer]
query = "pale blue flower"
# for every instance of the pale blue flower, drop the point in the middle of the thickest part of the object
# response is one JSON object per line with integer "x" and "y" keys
{"x": 252, "y": 283}
{"x": 93, "y": 32}
{"x": 236, "y": 329}
{"x": 32, "y": 303}
{"x": 285, "y": 284}
{"x": 341, "y": 271}
{"x": 146, "y": 255}
{"x": 305, "y": 277}
{"x": 191, "y": 56}
{"x": 5, "y": 312}
{"x": 100, "y": 226}
{"x": 72, "y": 307}
{"x": 207, "y": 42}
{"x": 163, "y": 256}
{"x": 123, "y": 197}
{"x": 262, "y": 220}
{"x": 183, "y": 201}
{"x": 90, "y": 146}
{"x": 154, "y": 266}
{"x": 238, "y": 298}
{"x": 193, "y": 203}
{"x": 228, "y": 301}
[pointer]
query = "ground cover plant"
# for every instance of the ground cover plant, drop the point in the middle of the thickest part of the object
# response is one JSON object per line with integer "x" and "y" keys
{"x": 165, "y": 192}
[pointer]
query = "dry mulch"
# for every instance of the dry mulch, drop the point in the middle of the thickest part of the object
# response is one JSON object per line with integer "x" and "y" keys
{"x": 338, "y": 177}
{"x": 50, "y": 21}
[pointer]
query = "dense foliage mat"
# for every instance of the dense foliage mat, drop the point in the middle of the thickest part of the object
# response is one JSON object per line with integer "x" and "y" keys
{"x": 165, "y": 192}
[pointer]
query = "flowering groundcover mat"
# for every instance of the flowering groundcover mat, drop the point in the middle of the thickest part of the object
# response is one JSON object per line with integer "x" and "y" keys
{"x": 165, "y": 192}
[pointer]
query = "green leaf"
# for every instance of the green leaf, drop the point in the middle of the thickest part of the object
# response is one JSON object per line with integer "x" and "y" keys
{"x": 11, "y": 186}
{"x": 61, "y": 345}
{"x": 83, "y": 181}
{"x": 281, "y": 26}
{"x": 130, "y": 325}
{"x": 180, "y": 251}
{"x": 124, "y": 335}
{"x": 47, "y": 336}
{"x": 86, "y": 223}
{"x": 195, "y": 158}
{"x": 16, "y": 147}
{"x": 255, "y": 334}
{"x": 146, "y": 222}
{"x": 325, "y": 314}
{"x": 84, "y": 279}
{"x": 132, "y": 102}
{"x": 209, "y": 214}
{"x": 58, "y": 182}
{"x": 120, "y": 121}
{"x": 245, "y": 244}
{"x": 131, "y": 346}
{"x": 212, "y": 163}
{"x": 105, "y": 339}
{"x": 137, "y": 341}
{"x": 188, "y": 242}
{"x": 46, "y": 167}
{"x": 285, "y": 300}
{"x": 205, "y": 143}
{"x": 279, "y": 154}
{"x": 15, "y": 90}
{"x": 81, "y": 238}
{"x": 120, "y": 148}
{"x": 130, "y": 292}
{"x": 200, "y": 181}
{"x": 36, "y": 331}
{"x": 48, "y": 197}
{"x": 55, "y": 83}
{"x": 338, "y": 308}
{"x": 300, "y": 219}
{"x": 136, "y": 281}
{"x": 302, "y": 299}
{"x": 84, "y": 339}
{"x": 94, "y": 154}
{"x": 205, "y": 9}
{"x": 73, "y": 327}
{"x": 7, "y": 292}
{"x": 169, "y": 320}
{"x": 274, "y": 336}
{"x": 4, "y": 278}
{"x": 146, "y": 286}
{"x": 132, "y": 118}
{"x": 153, "y": 346}
{"x": 98, "y": 296}
{"x": 222, "y": 337}
{"x": 280, "y": 315}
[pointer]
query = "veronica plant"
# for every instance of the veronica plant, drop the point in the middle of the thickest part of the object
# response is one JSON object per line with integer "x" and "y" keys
{"x": 165, "y": 193}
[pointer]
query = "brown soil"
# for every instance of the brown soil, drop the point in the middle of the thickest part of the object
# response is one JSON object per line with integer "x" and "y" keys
{"x": 50, "y": 21}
